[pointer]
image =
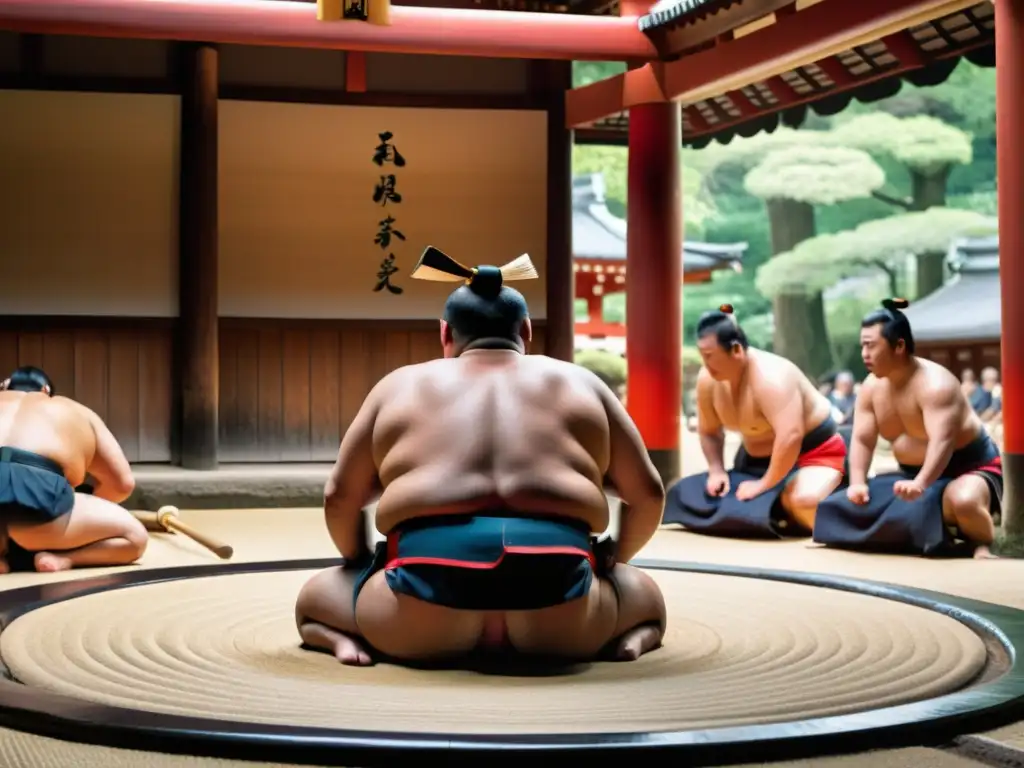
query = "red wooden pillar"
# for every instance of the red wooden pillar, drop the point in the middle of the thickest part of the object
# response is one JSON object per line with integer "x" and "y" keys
{"x": 654, "y": 273}
{"x": 654, "y": 242}
{"x": 1010, "y": 174}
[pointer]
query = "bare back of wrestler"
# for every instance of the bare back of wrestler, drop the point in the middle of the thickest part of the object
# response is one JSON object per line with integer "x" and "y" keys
{"x": 490, "y": 466}
{"x": 919, "y": 407}
{"x": 48, "y": 445}
{"x": 775, "y": 408}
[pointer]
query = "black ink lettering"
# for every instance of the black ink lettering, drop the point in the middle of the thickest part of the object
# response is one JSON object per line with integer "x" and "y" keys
{"x": 385, "y": 232}
{"x": 384, "y": 192}
{"x": 387, "y": 269}
{"x": 386, "y": 152}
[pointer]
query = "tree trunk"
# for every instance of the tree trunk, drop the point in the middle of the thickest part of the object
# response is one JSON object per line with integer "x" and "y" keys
{"x": 791, "y": 221}
{"x": 801, "y": 334}
{"x": 931, "y": 273}
{"x": 800, "y": 331}
{"x": 929, "y": 191}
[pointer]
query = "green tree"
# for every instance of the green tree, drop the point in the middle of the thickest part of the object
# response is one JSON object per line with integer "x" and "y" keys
{"x": 587, "y": 72}
{"x": 882, "y": 247}
{"x": 820, "y": 262}
{"x": 928, "y": 149}
{"x": 792, "y": 182}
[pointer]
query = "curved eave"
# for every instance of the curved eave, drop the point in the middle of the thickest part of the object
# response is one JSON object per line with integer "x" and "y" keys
{"x": 668, "y": 12}
{"x": 925, "y": 55}
{"x": 965, "y": 309}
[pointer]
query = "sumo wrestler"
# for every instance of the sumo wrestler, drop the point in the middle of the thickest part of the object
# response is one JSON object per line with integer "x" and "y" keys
{"x": 490, "y": 467}
{"x": 791, "y": 456}
{"x": 950, "y": 478}
{"x": 48, "y": 444}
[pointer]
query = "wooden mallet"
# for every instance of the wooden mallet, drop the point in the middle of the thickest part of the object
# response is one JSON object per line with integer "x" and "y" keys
{"x": 166, "y": 520}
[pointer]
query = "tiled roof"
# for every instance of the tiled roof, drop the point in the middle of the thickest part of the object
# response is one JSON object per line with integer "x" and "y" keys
{"x": 598, "y": 234}
{"x": 969, "y": 306}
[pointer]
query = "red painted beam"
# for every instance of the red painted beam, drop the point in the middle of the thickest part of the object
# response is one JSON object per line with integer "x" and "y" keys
{"x": 792, "y": 41}
{"x": 808, "y": 35}
{"x": 355, "y": 72}
{"x": 850, "y": 83}
{"x": 614, "y": 94}
{"x": 448, "y": 31}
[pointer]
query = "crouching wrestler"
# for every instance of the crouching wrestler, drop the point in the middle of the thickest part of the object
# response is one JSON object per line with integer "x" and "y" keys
{"x": 791, "y": 456}
{"x": 950, "y": 479}
{"x": 490, "y": 466}
{"x": 48, "y": 446}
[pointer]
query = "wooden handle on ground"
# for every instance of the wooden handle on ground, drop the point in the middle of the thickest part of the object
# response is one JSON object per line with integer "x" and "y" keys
{"x": 166, "y": 519}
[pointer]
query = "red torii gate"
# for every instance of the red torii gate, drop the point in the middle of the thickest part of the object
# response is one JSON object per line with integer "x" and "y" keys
{"x": 723, "y": 52}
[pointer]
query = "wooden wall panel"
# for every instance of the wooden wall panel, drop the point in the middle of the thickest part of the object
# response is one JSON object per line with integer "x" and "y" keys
{"x": 289, "y": 389}
{"x": 122, "y": 373}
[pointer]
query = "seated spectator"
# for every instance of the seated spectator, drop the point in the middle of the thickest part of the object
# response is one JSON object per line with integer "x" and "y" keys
{"x": 843, "y": 398}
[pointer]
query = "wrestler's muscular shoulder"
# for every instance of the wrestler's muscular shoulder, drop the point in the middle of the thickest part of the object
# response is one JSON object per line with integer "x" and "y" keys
{"x": 935, "y": 386}
{"x": 526, "y": 431}
{"x": 772, "y": 376}
{"x": 58, "y": 428}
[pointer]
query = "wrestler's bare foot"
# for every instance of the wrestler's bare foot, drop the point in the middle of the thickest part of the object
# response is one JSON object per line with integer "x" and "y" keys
{"x": 346, "y": 649}
{"x": 984, "y": 553}
{"x": 47, "y": 562}
{"x": 637, "y": 642}
{"x": 351, "y": 653}
{"x": 4, "y": 566}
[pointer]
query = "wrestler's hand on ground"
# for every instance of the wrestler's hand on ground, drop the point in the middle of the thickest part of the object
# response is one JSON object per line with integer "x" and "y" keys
{"x": 749, "y": 489}
{"x": 858, "y": 493}
{"x": 718, "y": 484}
{"x": 908, "y": 490}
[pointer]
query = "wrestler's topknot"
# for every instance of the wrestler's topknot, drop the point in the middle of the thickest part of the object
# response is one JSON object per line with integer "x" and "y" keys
{"x": 895, "y": 326}
{"x": 722, "y": 324}
{"x": 483, "y": 307}
{"x": 895, "y": 304}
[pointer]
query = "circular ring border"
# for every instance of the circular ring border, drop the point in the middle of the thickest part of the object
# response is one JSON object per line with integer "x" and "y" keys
{"x": 931, "y": 722}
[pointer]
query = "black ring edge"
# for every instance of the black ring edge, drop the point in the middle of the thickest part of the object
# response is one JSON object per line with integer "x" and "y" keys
{"x": 932, "y": 722}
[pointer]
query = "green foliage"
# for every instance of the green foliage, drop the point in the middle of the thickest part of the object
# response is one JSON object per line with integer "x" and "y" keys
{"x": 746, "y": 152}
{"x": 986, "y": 202}
{"x": 612, "y": 163}
{"x": 815, "y": 174}
{"x": 725, "y": 288}
{"x": 691, "y": 360}
{"x": 966, "y": 100}
{"x": 820, "y": 262}
{"x": 843, "y": 316}
{"x": 607, "y": 366}
{"x": 760, "y": 330}
{"x": 609, "y": 161}
{"x": 750, "y": 227}
{"x": 587, "y": 72}
{"x": 928, "y": 231}
{"x": 921, "y": 143}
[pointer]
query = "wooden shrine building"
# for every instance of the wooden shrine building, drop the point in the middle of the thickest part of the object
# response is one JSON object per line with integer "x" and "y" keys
{"x": 199, "y": 234}
{"x": 599, "y": 256}
{"x": 959, "y": 326}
